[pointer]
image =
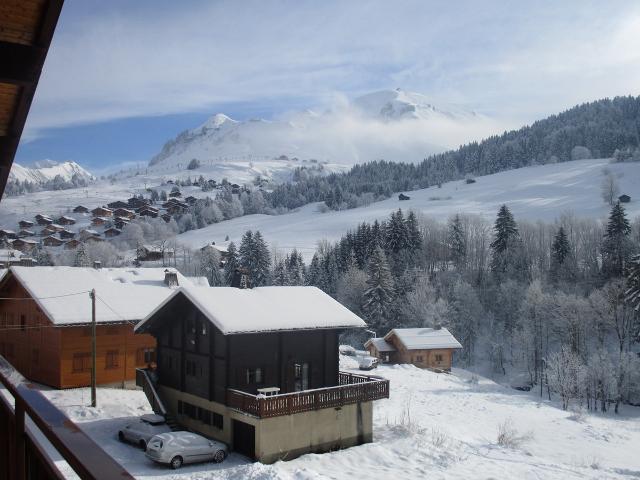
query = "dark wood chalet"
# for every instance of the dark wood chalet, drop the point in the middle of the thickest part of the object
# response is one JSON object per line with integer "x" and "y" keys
{"x": 258, "y": 369}
{"x": 43, "y": 219}
{"x": 117, "y": 204}
{"x": 25, "y": 223}
{"x": 64, "y": 220}
{"x": 52, "y": 241}
{"x": 80, "y": 209}
{"x": 102, "y": 212}
{"x": 72, "y": 244}
{"x": 112, "y": 232}
{"x": 67, "y": 234}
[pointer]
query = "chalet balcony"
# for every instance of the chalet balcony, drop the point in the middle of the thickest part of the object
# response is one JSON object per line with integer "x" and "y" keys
{"x": 352, "y": 388}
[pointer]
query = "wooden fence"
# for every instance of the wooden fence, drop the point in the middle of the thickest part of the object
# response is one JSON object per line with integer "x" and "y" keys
{"x": 351, "y": 388}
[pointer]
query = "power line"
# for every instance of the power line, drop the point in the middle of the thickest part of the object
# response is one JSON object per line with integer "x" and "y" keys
{"x": 45, "y": 298}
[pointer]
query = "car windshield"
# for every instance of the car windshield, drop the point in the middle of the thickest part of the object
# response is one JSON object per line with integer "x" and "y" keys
{"x": 156, "y": 443}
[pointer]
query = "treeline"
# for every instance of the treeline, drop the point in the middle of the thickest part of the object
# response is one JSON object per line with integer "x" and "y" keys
{"x": 602, "y": 129}
{"x": 18, "y": 187}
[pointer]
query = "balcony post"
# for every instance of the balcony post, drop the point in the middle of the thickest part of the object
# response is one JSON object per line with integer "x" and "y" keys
{"x": 20, "y": 460}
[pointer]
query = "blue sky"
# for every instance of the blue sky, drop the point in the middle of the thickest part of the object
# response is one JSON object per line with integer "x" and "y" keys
{"x": 122, "y": 77}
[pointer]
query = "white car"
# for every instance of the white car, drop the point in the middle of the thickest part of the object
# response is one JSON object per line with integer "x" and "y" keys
{"x": 367, "y": 362}
{"x": 140, "y": 432}
{"x": 178, "y": 448}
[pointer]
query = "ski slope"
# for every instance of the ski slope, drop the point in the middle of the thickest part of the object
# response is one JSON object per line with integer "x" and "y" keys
{"x": 532, "y": 193}
{"x": 433, "y": 426}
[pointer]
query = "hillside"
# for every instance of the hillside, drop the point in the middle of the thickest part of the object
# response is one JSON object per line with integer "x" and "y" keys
{"x": 532, "y": 193}
{"x": 433, "y": 425}
{"x": 48, "y": 170}
{"x": 390, "y": 124}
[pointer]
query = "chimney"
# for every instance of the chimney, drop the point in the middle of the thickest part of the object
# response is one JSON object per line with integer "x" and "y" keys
{"x": 241, "y": 278}
{"x": 170, "y": 278}
{"x": 97, "y": 264}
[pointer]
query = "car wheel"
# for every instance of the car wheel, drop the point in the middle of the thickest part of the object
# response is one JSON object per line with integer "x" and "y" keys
{"x": 121, "y": 436}
{"x": 219, "y": 456}
{"x": 143, "y": 445}
{"x": 176, "y": 462}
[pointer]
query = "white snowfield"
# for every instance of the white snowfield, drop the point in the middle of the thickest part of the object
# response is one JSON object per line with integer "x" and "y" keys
{"x": 48, "y": 170}
{"x": 434, "y": 426}
{"x": 236, "y": 310}
{"x": 532, "y": 193}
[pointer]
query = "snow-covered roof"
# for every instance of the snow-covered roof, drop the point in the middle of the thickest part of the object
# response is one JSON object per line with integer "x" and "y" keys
{"x": 265, "y": 309}
{"x": 424, "y": 338}
{"x": 123, "y": 294}
{"x": 380, "y": 344}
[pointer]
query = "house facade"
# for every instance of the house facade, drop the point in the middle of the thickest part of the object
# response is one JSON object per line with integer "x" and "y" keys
{"x": 430, "y": 348}
{"x": 258, "y": 369}
{"x": 46, "y": 331}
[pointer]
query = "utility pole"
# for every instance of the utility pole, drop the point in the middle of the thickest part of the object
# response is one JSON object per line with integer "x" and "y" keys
{"x": 93, "y": 347}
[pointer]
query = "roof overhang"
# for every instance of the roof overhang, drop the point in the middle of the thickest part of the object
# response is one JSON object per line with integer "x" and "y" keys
{"x": 26, "y": 31}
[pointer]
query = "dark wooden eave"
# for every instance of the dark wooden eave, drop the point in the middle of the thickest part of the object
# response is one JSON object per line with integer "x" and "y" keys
{"x": 26, "y": 31}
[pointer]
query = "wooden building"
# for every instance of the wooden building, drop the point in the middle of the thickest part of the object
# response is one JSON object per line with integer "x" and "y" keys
{"x": 52, "y": 241}
{"x": 102, "y": 212}
{"x": 47, "y": 338}
{"x": 24, "y": 244}
{"x": 98, "y": 221}
{"x": 80, "y": 209}
{"x": 8, "y": 234}
{"x": 72, "y": 244}
{"x": 67, "y": 234}
{"x": 148, "y": 212}
{"x": 423, "y": 347}
{"x": 26, "y": 233}
{"x": 117, "y": 204}
{"x": 112, "y": 232}
{"x": 64, "y": 220}
{"x": 624, "y": 198}
{"x": 43, "y": 219}
{"x": 258, "y": 369}
{"x": 124, "y": 213}
{"x": 25, "y": 223}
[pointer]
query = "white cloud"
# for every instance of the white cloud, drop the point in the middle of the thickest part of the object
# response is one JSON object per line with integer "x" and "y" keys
{"x": 512, "y": 61}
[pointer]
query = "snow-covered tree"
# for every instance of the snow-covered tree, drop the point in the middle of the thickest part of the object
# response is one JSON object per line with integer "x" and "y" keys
{"x": 379, "y": 295}
{"x": 565, "y": 374}
{"x": 209, "y": 265}
{"x": 457, "y": 242}
{"x": 616, "y": 247}
{"x": 231, "y": 264}
{"x": 609, "y": 189}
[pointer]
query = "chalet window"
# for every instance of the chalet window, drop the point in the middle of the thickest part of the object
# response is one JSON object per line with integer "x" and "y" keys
{"x": 23, "y": 323}
{"x": 203, "y": 328}
{"x": 253, "y": 375}
{"x": 112, "y": 359}
{"x": 301, "y": 376}
{"x": 81, "y": 362}
{"x": 193, "y": 368}
{"x": 419, "y": 359}
{"x": 438, "y": 357}
{"x": 145, "y": 356}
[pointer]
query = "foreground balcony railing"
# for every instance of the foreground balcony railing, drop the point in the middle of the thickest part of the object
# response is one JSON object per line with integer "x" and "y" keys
{"x": 352, "y": 388}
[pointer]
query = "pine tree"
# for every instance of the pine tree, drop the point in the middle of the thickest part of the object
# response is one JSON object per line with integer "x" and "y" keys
{"x": 616, "y": 247}
{"x": 396, "y": 234}
{"x": 231, "y": 263}
{"x": 379, "y": 295}
{"x": 561, "y": 265}
{"x": 245, "y": 253}
{"x": 632, "y": 293}
{"x": 457, "y": 242}
{"x": 314, "y": 273}
{"x": 82, "y": 259}
{"x": 414, "y": 237}
{"x": 262, "y": 261}
{"x": 506, "y": 248}
{"x": 210, "y": 266}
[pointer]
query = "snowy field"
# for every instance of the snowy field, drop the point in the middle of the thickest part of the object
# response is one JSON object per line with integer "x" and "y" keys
{"x": 433, "y": 426}
{"x": 532, "y": 193}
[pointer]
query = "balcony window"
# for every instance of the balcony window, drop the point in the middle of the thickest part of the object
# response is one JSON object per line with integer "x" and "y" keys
{"x": 253, "y": 376}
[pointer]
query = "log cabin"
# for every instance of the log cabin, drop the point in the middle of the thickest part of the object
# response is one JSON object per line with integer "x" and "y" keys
{"x": 52, "y": 241}
{"x": 102, "y": 212}
{"x": 430, "y": 348}
{"x": 258, "y": 369}
{"x": 45, "y": 332}
{"x": 25, "y": 223}
{"x": 80, "y": 209}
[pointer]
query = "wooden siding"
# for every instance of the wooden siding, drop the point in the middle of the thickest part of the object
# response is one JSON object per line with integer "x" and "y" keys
{"x": 195, "y": 357}
{"x": 44, "y": 352}
{"x": 423, "y": 358}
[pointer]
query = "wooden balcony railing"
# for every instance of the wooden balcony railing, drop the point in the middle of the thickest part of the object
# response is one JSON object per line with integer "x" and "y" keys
{"x": 23, "y": 452}
{"x": 351, "y": 388}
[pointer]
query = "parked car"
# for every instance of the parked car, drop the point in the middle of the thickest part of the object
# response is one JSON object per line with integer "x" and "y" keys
{"x": 347, "y": 350}
{"x": 178, "y": 448}
{"x": 367, "y": 362}
{"x": 140, "y": 432}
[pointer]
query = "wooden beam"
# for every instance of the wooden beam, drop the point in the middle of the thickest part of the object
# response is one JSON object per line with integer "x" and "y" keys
{"x": 21, "y": 63}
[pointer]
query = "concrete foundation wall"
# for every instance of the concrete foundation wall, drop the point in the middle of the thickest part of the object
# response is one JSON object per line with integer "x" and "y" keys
{"x": 285, "y": 437}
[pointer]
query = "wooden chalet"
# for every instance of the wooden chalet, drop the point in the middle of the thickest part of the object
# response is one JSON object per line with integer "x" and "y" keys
{"x": 64, "y": 220}
{"x": 26, "y": 233}
{"x": 102, "y": 212}
{"x": 48, "y": 339}
{"x": 146, "y": 253}
{"x": 94, "y": 238}
{"x": 8, "y": 234}
{"x": 87, "y": 233}
{"x": 52, "y": 241}
{"x": 137, "y": 202}
{"x": 24, "y": 244}
{"x": 112, "y": 232}
{"x": 430, "y": 348}
{"x": 624, "y": 198}
{"x": 43, "y": 219}
{"x": 66, "y": 234}
{"x": 175, "y": 194}
{"x": 124, "y": 213}
{"x": 258, "y": 369}
{"x": 148, "y": 212}
{"x": 191, "y": 200}
{"x": 72, "y": 244}
{"x": 80, "y": 209}
{"x": 97, "y": 221}
{"x": 25, "y": 224}
{"x": 117, "y": 204}
{"x": 120, "y": 222}
{"x": 166, "y": 217}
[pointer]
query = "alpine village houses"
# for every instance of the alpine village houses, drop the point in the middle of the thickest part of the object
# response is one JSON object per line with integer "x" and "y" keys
{"x": 46, "y": 331}
{"x": 257, "y": 368}
{"x": 430, "y": 348}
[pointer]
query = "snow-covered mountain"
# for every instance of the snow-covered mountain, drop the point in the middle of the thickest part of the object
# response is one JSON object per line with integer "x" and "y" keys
{"x": 391, "y": 124}
{"x": 46, "y": 170}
